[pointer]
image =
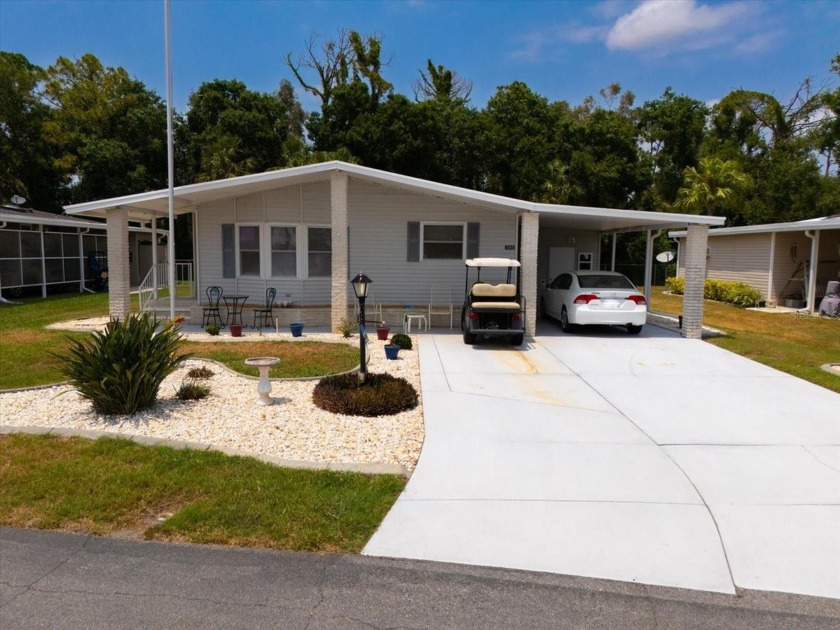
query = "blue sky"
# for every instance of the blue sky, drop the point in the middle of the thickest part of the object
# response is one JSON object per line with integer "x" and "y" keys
{"x": 562, "y": 50}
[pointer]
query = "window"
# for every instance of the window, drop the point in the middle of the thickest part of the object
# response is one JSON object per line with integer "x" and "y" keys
{"x": 585, "y": 261}
{"x": 320, "y": 252}
{"x": 249, "y": 250}
{"x": 443, "y": 241}
{"x": 283, "y": 251}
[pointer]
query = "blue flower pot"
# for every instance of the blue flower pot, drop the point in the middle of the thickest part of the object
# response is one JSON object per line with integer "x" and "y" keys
{"x": 297, "y": 329}
{"x": 391, "y": 351}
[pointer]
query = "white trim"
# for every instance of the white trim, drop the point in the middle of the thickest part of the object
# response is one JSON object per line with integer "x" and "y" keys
{"x": 824, "y": 223}
{"x": 423, "y": 225}
{"x": 193, "y": 194}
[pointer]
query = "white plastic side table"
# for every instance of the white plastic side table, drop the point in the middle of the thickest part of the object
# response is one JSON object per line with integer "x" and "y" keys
{"x": 418, "y": 318}
{"x": 263, "y": 364}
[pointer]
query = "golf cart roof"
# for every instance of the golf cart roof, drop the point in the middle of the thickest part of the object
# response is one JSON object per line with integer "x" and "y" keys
{"x": 492, "y": 262}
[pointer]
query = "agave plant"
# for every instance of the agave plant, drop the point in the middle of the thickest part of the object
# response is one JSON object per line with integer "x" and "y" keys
{"x": 121, "y": 369}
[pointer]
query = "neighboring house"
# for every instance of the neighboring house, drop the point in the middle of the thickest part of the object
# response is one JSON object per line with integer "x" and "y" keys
{"x": 49, "y": 252}
{"x": 306, "y": 231}
{"x": 780, "y": 259}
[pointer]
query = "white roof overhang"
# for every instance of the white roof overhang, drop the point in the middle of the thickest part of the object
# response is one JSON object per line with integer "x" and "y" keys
{"x": 156, "y": 203}
{"x": 822, "y": 223}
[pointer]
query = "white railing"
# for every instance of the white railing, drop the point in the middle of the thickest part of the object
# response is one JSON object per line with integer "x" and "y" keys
{"x": 156, "y": 283}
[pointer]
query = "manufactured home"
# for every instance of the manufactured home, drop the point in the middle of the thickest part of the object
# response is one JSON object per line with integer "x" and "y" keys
{"x": 306, "y": 231}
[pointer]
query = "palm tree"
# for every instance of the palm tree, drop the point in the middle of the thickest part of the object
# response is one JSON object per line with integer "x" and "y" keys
{"x": 221, "y": 159}
{"x": 716, "y": 185}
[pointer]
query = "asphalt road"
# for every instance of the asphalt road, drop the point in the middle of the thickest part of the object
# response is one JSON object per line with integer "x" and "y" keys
{"x": 57, "y": 580}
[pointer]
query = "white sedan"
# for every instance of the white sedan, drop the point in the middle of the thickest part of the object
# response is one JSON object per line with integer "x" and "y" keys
{"x": 594, "y": 297}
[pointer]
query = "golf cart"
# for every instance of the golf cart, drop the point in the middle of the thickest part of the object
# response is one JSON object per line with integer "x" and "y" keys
{"x": 493, "y": 310}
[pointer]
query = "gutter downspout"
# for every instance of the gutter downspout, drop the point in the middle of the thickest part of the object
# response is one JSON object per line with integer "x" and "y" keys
{"x": 651, "y": 236}
{"x": 814, "y": 235}
{"x": 770, "y": 296}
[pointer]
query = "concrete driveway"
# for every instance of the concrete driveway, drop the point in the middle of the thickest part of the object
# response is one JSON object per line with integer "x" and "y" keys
{"x": 651, "y": 459}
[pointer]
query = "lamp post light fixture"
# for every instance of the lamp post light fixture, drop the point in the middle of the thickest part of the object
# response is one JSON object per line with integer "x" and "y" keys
{"x": 361, "y": 285}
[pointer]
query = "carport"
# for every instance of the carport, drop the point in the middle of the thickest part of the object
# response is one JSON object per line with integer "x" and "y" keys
{"x": 569, "y": 238}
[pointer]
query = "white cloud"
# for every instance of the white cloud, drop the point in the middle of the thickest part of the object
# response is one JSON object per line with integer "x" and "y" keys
{"x": 677, "y": 24}
{"x": 538, "y": 44}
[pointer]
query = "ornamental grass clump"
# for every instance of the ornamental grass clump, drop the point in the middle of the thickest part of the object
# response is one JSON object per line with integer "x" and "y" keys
{"x": 121, "y": 369}
{"x": 379, "y": 395}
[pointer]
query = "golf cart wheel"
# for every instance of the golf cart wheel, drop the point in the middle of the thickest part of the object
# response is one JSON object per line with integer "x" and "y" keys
{"x": 517, "y": 340}
{"x": 633, "y": 330}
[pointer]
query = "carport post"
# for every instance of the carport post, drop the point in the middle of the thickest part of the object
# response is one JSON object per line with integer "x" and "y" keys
{"x": 530, "y": 238}
{"x": 695, "y": 279}
{"x": 651, "y": 236}
{"x": 612, "y": 259}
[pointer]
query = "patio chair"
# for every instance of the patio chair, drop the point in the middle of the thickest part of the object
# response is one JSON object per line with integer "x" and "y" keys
{"x": 440, "y": 303}
{"x": 373, "y": 309}
{"x": 263, "y": 315}
{"x": 830, "y": 304}
{"x": 214, "y": 294}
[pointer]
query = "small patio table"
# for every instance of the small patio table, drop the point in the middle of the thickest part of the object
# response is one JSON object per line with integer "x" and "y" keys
{"x": 233, "y": 305}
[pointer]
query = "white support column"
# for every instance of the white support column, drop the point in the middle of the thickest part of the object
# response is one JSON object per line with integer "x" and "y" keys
{"x": 529, "y": 239}
{"x": 43, "y": 263}
{"x": 612, "y": 258}
{"x": 154, "y": 260}
{"x": 340, "y": 272}
{"x": 695, "y": 279}
{"x": 81, "y": 262}
{"x": 119, "y": 300}
{"x": 812, "y": 271}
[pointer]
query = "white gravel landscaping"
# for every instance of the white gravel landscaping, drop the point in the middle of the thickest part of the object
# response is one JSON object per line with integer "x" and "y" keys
{"x": 292, "y": 428}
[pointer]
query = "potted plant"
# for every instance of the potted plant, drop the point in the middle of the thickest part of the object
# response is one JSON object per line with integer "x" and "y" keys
{"x": 236, "y": 330}
{"x": 382, "y": 331}
{"x": 391, "y": 351}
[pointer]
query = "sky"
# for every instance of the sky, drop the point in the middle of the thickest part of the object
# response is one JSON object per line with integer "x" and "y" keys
{"x": 562, "y": 50}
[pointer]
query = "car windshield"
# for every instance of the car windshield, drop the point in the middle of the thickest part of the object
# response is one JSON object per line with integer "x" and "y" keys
{"x": 604, "y": 281}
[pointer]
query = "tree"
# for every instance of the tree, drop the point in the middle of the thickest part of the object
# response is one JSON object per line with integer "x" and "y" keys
{"x": 827, "y": 133}
{"x": 231, "y": 130}
{"x": 441, "y": 84}
{"x": 367, "y": 66}
{"x": 672, "y": 128}
{"x": 331, "y": 63}
{"x": 716, "y": 185}
{"x": 107, "y": 129}
{"x": 26, "y": 159}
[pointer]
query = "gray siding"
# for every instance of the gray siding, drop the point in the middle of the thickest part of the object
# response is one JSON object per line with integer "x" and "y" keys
{"x": 378, "y": 218}
{"x": 584, "y": 242}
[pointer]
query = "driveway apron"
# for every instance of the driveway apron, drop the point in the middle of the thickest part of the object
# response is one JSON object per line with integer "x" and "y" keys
{"x": 651, "y": 459}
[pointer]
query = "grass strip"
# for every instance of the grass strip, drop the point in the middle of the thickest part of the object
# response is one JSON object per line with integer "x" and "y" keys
{"x": 117, "y": 487}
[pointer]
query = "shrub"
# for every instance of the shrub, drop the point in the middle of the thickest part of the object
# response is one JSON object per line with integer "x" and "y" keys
{"x": 212, "y": 330}
{"x": 120, "y": 370}
{"x": 676, "y": 285}
{"x": 346, "y": 327}
{"x": 401, "y": 340}
{"x": 742, "y": 295}
{"x": 200, "y": 372}
{"x": 191, "y": 390}
{"x": 379, "y": 395}
{"x": 736, "y": 293}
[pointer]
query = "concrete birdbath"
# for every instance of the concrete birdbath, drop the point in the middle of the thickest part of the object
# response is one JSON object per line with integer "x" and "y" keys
{"x": 263, "y": 364}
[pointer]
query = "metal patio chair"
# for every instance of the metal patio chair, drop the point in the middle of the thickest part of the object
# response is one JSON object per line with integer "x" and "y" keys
{"x": 211, "y": 311}
{"x": 263, "y": 315}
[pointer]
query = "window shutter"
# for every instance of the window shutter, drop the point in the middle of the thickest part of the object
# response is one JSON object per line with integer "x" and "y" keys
{"x": 228, "y": 250}
{"x": 472, "y": 239}
{"x": 413, "y": 241}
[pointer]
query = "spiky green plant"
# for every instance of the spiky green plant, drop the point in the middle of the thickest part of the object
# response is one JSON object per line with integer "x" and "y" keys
{"x": 121, "y": 369}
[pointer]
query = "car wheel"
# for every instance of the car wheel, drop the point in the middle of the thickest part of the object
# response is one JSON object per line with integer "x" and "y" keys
{"x": 633, "y": 330}
{"x": 565, "y": 326}
{"x": 517, "y": 340}
{"x": 543, "y": 312}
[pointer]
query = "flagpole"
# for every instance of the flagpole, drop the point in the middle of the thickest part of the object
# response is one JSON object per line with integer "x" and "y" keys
{"x": 170, "y": 163}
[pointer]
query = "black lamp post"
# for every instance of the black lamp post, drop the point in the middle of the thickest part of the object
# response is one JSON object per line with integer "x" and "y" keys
{"x": 361, "y": 284}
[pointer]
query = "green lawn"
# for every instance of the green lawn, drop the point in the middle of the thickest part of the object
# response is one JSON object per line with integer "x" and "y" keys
{"x": 796, "y": 344}
{"x": 114, "y": 486}
{"x": 26, "y": 347}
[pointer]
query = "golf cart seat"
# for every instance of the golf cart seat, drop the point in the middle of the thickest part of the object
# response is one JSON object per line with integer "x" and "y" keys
{"x": 495, "y": 297}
